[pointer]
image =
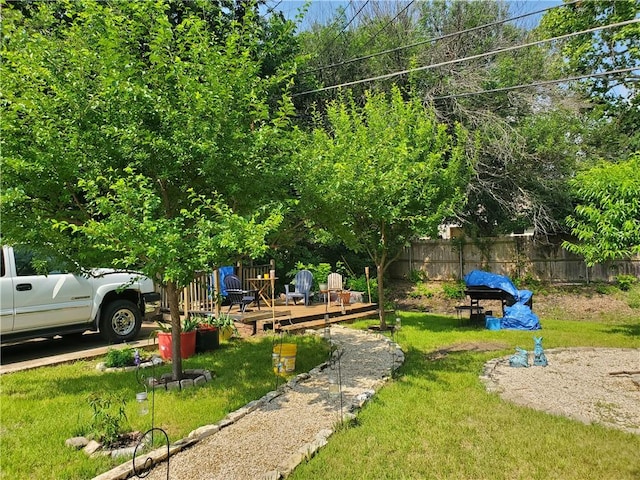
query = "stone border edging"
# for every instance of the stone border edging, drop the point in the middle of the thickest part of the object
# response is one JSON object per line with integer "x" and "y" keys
{"x": 305, "y": 452}
{"x": 154, "y": 360}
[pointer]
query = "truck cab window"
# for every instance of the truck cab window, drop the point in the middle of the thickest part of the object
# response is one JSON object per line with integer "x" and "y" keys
{"x": 24, "y": 266}
{"x": 27, "y": 264}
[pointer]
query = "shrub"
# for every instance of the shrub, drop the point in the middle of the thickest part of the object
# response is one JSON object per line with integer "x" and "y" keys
{"x": 420, "y": 290}
{"x": 634, "y": 300}
{"x": 320, "y": 272}
{"x": 604, "y": 289}
{"x": 453, "y": 290}
{"x": 625, "y": 282}
{"x": 417, "y": 276}
{"x": 119, "y": 357}
{"x": 530, "y": 283}
{"x": 109, "y": 417}
{"x": 359, "y": 284}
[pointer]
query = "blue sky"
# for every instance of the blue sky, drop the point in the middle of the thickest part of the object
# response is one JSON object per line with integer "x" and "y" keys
{"x": 321, "y": 11}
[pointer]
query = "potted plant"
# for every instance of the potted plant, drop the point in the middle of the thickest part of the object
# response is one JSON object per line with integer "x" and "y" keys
{"x": 207, "y": 334}
{"x": 187, "y": 338}
{"x": 226, "y": 326}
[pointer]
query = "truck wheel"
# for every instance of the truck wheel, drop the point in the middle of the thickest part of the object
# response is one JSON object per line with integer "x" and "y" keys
{"x": 120, "y": 321}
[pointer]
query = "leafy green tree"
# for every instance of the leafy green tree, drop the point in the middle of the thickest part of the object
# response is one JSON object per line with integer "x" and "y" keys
{"x": 353, "y": 32}
{"x": 520, "y": 174}
{"x": 137, "y": 135}
{"x": 607, "y": 220}
{"x": 615, "y": 103}
{"x": 380, "y": 174}
{"x": 521, "y": 167}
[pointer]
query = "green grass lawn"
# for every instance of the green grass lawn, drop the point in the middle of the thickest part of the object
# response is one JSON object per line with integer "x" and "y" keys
{"x": 434, "y": 420}
{"x": 41, "y": 408}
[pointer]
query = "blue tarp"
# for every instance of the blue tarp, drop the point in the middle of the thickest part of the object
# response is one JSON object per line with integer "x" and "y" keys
{"x": 518, "y": 316}
{"x": 223, "y": 272}
{"x": 479, "y": 278}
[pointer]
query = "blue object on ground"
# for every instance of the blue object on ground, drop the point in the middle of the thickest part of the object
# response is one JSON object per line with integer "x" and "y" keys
{"x": 519, "y": 359}
{"x": 492, "y": 323}
{"x": 539, "y": 358}
{"x": 520, "y": 317}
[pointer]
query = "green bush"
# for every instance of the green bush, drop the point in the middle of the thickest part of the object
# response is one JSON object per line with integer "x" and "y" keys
{"x": 528, "y": 282}
{"x": 633, "y": 297}
{"x": 109, "y": 417}
{"x": 320, "y": 272}
{"x": 604, "y": 289}
{"x": 421, "y": 290}
{"x": 119, "y": 357}
{"x": 453, "y": 290}
{"x": 417, "y": 276}
{"x": 625, "y": 282}
{"x": 359, "y": 284}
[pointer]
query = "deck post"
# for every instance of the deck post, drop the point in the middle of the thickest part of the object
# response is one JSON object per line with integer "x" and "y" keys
{"x": 216, "y": 292}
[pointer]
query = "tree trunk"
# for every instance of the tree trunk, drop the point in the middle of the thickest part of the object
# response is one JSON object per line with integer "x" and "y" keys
{"x": 380, "y": 274}
{"x": 380, "y": 259}
{"x": 176, "y": 329}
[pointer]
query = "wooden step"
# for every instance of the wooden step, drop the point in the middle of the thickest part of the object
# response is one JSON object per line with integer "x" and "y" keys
{"x": 315, "y": 324}
{"x": 319, "y": 314}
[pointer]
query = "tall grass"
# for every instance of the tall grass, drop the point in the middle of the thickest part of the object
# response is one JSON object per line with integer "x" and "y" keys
{"x": 435, "y": 420}
{"x": 41, "y": 408}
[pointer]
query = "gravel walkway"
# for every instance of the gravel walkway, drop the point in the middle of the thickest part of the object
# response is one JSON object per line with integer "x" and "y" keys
{"x": 268, "y": 438}
{"x": 577, "y": 383}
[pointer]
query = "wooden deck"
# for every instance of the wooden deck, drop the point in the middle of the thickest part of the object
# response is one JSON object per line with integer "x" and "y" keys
{"x": 198, "y": 298}
{"x": 298, "y": 317}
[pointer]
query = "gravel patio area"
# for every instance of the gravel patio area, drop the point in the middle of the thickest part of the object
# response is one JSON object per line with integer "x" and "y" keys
{"x": 591, "y": 385}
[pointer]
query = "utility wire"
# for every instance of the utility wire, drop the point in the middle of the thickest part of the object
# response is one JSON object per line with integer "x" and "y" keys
{"x": 473, "y": 57}
{"x": 435, "y": 39}
{"x": 330, "y": 44}
{"x": 385, "y": 26}
{"x": 271, "y": 9}
{"x": 345, "y": 27}
{"x": 353, "y": 18}
{"x": 536, "y": 84}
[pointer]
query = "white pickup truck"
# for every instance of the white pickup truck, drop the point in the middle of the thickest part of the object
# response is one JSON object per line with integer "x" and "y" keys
{"x": 59, "y": 303}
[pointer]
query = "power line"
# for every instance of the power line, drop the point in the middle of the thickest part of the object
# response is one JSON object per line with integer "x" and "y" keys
{"x": 386, "y": 25}
{"x": 271, "y": 9}
{"x": 473, "y": 57}
{"x": 330, "y": 44}
{"x": 536, "y": 84}
{"x": 354, "y": 17}
{"x": 434, "y": 39}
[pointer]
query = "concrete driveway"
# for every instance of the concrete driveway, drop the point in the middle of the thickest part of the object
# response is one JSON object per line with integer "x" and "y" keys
{"x": 50, "y": 351}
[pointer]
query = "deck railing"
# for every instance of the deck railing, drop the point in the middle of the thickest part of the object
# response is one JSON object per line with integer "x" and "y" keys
{"x": 201, "y": 294}
{"x": 252, "y": 271}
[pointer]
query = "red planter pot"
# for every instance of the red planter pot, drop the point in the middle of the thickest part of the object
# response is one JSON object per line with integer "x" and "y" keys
{"x": 187, "y": 344}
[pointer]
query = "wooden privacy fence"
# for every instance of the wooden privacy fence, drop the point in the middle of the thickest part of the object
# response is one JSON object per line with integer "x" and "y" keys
{"x": 514, "y": 256}
{"x": 202, "y": 293}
